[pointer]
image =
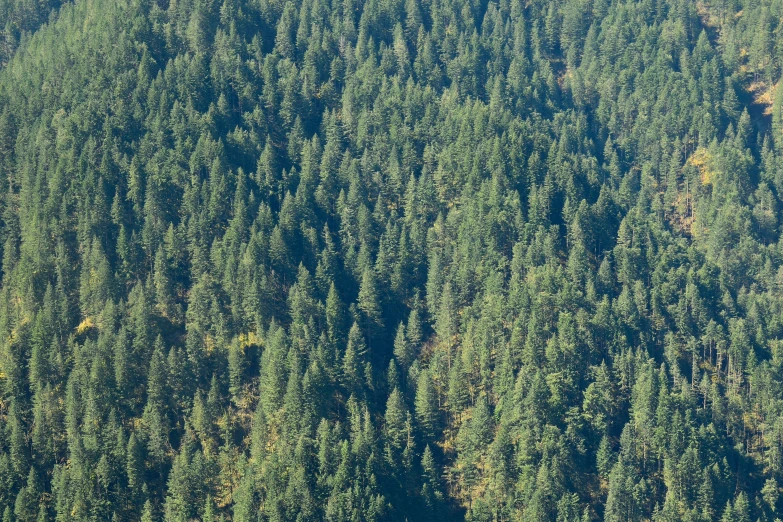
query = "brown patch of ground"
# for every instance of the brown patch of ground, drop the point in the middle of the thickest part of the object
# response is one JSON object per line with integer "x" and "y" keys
{"x": 763, "y": 95}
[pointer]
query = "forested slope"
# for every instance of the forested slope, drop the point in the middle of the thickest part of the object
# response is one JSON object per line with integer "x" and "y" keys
{"x": 19, "y": 19}
{"x": 391, "y": 260}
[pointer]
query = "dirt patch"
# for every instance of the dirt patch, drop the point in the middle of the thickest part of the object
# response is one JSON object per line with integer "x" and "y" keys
{"x": 763, "y": 95}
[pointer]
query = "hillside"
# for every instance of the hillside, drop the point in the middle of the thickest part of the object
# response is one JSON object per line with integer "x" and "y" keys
{"x": 386, "y": 260}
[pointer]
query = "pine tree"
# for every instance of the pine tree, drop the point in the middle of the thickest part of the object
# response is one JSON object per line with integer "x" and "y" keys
{"x": 353, "y": 359}
{"x": 395, "y": 432}
{"x": 370, "y": 305}
{"x": 426, "y": 406}
{"x": 156, "y": 410}
{"x": 402, "y": 348}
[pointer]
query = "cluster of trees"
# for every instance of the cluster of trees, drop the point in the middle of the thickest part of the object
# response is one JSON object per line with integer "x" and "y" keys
{"x": 391, "y": 260}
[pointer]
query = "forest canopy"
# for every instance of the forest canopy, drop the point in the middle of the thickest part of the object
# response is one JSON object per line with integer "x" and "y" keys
{"x": 386, "y": 260}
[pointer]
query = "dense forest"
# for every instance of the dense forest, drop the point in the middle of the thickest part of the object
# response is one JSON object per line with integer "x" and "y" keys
{"x": 388, "y": 260}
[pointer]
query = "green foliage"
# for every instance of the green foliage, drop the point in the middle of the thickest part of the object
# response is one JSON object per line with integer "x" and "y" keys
{"x": 400, "y": 260}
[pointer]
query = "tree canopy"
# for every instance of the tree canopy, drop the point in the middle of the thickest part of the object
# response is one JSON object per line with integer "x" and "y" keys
{"x": 370, "y": 260}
